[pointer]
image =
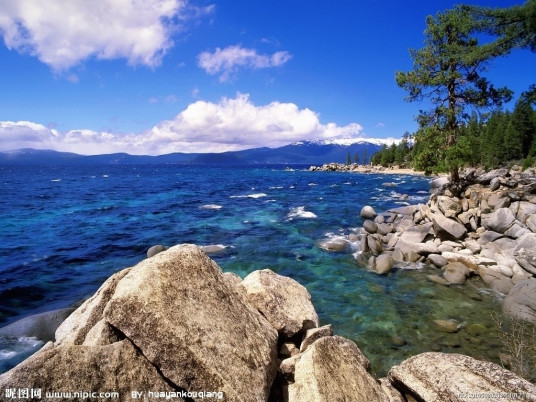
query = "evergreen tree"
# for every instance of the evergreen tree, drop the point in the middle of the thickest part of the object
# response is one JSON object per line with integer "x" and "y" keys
{"x": 447, "y": 71}
{"x": 524, "y": 121}
{"x": 365, "y": 156}
{"x": 356, "y": 159}
{"x": 348, "y": 159}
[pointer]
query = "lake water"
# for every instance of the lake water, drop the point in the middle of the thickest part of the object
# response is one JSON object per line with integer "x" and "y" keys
{"x": 64, "y": 230}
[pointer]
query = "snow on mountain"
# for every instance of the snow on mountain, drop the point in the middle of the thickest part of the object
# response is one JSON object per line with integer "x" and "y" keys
{"x": 351, "y": 141}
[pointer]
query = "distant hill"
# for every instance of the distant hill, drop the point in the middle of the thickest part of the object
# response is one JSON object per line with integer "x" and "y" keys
{"x": 305, "y": 152}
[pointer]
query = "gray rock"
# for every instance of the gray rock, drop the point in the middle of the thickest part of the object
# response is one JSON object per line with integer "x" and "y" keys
{"x": 439, "y": 184}
{"x": 531, "y": 223}
{"x": 486, "y": 178}
{"x": 438, "y": 260}
{"x": 455, "y": 272}
{"x": 525, "y": 252}
{"x": 384, "y": 228}
{"x": 494, "y": 184}
{"x": 489, "y": 236}
{"x": 446, "y": 227}
{"x": 374, "y": 244}
{"x": 398, "y": 255}
{"x": 335, "y": 244}
{"x": 313, "y": 334}
{"x": 473, "y": 245}
{"x": 179, "y": 301}
{"x": 118, "y": 367}
{"x": 416, "y": 233}
{"x": 500, "y": 220}
{"x": 154, "y": 250}
{"x": 425, "y": 248}
{"x": 333, "y": 369}
{"x": 150, "y": 327}
{"x": 516, "y": 230}
{"x": 447, "y": 377}
{"x": 450, "y": 206}
{"x": 525, "y": 210}
{"x": 437, "y": 279}
{"x": 384, "y": 263}
{"x": 449, "y": 326}
{"x": 521, "y": 301}
{"x": 285, "y": 303}
{"x": 370, "y": 226}
{"x": 367, "y": 212}
{"x": 405, "y": 210}
{"x": 42, "y": 326}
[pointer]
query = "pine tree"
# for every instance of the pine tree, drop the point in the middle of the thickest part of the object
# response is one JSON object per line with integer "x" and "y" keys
{"x": 447, "y": 72}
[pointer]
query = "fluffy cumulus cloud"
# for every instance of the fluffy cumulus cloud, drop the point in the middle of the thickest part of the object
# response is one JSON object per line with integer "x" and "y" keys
{"x": 229, "y": 60}
{"x": 62, "y": 33}
{"x": 229, "y": 125}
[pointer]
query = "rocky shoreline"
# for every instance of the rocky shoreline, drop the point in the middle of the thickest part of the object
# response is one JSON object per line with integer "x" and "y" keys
{"x": 175, "y": 326}
{"x": 356, "y": 168}
{"x": 485, "y": 226}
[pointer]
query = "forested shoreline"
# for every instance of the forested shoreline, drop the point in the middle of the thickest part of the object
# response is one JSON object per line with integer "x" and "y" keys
{"x": 467, "y": 123}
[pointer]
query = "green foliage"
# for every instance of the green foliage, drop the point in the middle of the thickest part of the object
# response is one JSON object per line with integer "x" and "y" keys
{"x": 514, "y": 27}
{"x": 447, "y": 72}
{"x": 348, "y": 159}
{"x": 528, "y": 162}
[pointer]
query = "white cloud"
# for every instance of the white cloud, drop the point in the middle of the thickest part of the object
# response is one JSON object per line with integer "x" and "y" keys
{"x": 229, "y": 125}
{"x": 229, "y": 60}
{"x": 62, "y": 33}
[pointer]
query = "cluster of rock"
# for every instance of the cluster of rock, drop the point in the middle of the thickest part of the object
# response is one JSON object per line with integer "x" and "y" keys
{"x": 353, "y": 167}
{"x": 176, "y": 327}
{"x": 485, "y": 225}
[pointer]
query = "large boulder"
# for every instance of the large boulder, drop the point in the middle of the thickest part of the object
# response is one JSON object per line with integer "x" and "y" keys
{"x": 171, "y": 322}
{"x": 118, "y": 367}
{"x": 454, "y": 377}
{"x": 333, "y": 369}
{"x": 521, "y": 301}
{"x": 525, "y": 252}
{"x": 177, "y": 306}
{"x": 500, "y": 220}
{"x": 284, "y": 302}
{"x": 448, "y": 228}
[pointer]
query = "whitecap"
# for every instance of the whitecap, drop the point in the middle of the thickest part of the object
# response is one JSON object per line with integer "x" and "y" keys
{"x": 210, "y": 206}
{"x": 300, "y": 213}
{"x": 254, "y": 195}
{"x": 6, "y": 354}
{"x": 275, "y": 188}
{"x": 56, "y": 180}
{"x": 313, "y": 184}
{"x": 105, "y": 176}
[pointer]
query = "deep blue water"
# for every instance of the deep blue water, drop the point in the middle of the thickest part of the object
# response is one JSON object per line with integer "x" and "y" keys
{"x": 64, "y": 230}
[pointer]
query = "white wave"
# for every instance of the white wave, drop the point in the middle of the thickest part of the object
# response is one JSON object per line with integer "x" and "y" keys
{"x": 7, "y": 354}
{"x": 210, "y": 206}
{"x": 105, "y": 176}
{"x": 56, "y": 180}
{"x": 313, "y": 184}
{"x": 254, "y": 195}
{"x": 276, "y": 188}
{"x": 300, "y": 213}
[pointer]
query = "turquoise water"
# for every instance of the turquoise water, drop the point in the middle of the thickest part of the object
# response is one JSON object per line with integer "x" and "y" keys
{"x": 65, "y": 230}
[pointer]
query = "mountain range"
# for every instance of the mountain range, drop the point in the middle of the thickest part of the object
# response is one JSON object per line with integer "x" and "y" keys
{"x": 304, "y": 152}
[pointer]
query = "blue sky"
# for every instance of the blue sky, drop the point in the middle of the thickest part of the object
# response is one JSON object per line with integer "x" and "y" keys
{"x": 159, "y": 76}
